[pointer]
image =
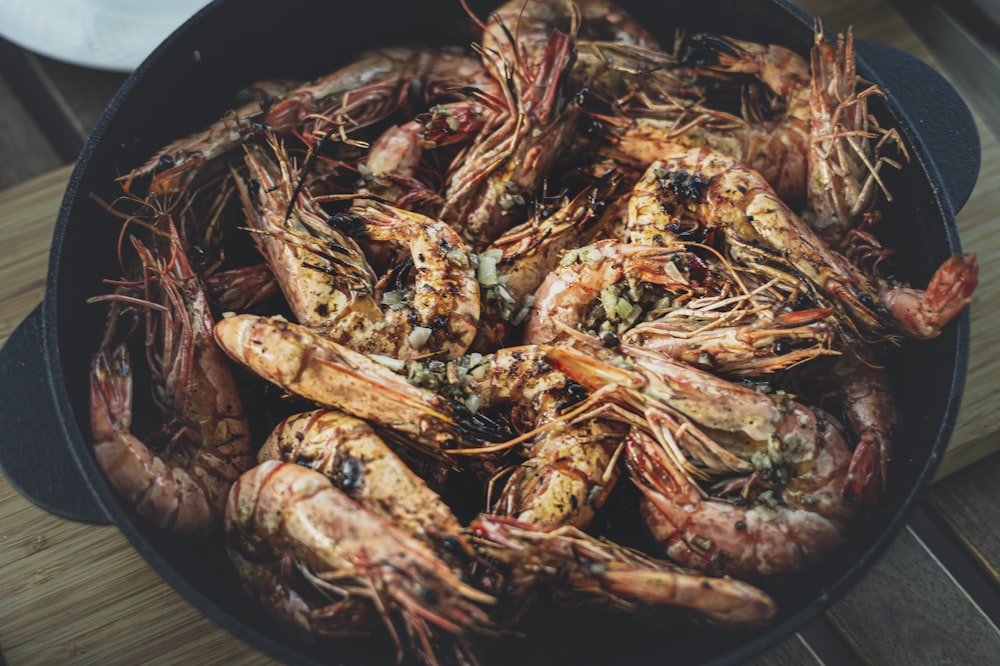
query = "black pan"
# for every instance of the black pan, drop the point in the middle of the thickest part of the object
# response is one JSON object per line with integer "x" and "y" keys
{"x": 189, "y": 81}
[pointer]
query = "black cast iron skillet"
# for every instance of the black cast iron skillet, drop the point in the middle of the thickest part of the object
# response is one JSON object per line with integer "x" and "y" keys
{"x": 189, "y": 81}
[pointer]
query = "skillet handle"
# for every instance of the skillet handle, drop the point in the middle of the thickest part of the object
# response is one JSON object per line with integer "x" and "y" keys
{"x": 942, "y": 123}
{"x": 34, "y": 454}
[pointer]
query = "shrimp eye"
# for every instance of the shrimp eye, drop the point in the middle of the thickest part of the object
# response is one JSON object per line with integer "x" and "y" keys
{"x": 594, "y": 127}
{"x": 801, "y": 302}
{"x": 267, "y": 102}
{"x": 781, "y": 347}
{"x": 350, "y": 224}
{"x": 198, "y": 256}
{"x": 165, "y": 162}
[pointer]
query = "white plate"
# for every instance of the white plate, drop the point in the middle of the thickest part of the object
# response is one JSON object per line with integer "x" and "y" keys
{"x": 114, "y": 35}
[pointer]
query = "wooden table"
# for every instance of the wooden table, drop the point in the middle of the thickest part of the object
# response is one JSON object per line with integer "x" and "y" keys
{"x": 76, "y": 593}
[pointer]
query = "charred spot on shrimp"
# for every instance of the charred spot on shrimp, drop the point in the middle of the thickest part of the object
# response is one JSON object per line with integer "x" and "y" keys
{"x": 352, "y": 473}
{"x": 574, "y": 393}
{"x": 682, "y": 184}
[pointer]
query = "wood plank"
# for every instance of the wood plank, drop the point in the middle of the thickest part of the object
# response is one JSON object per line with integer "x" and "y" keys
{"x": 52, "y": 564}
{"x": 27, "y": 216}
{"x": 790, "y": 651}
{"x": 908, "y": 610}
{"x": 80, "y": 93}
{"x": 24, "y": 149}
{"x": 969, "y": 504}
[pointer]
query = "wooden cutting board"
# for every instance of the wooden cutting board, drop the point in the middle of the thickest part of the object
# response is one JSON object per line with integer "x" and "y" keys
{"x": 81, "y": 593}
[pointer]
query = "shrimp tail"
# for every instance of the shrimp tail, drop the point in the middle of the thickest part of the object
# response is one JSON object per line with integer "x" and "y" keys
{"x": 922, "y": 314}
{"x": 585, "y": 570}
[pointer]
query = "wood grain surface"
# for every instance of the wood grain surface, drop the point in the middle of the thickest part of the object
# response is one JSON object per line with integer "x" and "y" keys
{"x": 969, "y": 504}
{"x": 951, "y": 630}
{"x": 76, "y": 593}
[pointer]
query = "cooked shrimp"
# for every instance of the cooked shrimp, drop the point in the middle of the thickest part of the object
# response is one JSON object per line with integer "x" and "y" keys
{"x": 350, "y": 98}
{"x": 740, "y": 342}
{"x": 874, "y": 421}
{"x": 392, "y": 164}
{"x": 586, "y": 276}
{"x": 441, "y": 311}
{"x": 306, "y": 363}
{"x": 845, "y": 156}
{"x": 347, "y": 451}
{"x": 530, "y": 46}
{"x": 677, "y": 100}
{"x": 690, "y": 425}
{"x": 568, "y": 470}
{"x": 582, "y": 570}
{"x": 337, "y": 568}
{"x": 329, "y": 284}
{"x": 700, "y": 191}
{"x": 514, "y": 266}
{"x": 772, "y": 531}
{"x": 923, "y": 313}
{"x": 322, "y": 273}
{"x": 174, "y": 166}
{"x": 180, "y": 483}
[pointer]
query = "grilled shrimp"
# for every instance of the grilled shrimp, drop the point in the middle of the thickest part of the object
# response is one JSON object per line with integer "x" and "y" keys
{"x": 874, "y": 421}
{"x": 845, "y": 154}
{"x": 303, "y": 362}
{"x": 697, "y": 314}
{"x": 329, "y": 284}
{"x": 584, "y": 570}
{"x": 677, "y": 100}
{"x": 355, "y": 96}
{"x": 514, "y": 266}
{"x": 778, "y": 150}
{"x": 691, "y": 192}
{"x": 530, "y": 46}
{"x": 326, "y": 566}
{"x": 769, "y": 532}
{"x": 322, "y": 272}
{"x": 441, "y": 311}
{"x": 391, "y": 167}
{"x": 587, "y": 276}
{"x": 569, "y": 469}
{"x": 348, "y": 452}
{"x": 923, "y": 313}
{"x": 179, "y": 477}
{"x": 690, "y": 426}
{"x": 738, "y": 342}
{"x": 174, "y": 166}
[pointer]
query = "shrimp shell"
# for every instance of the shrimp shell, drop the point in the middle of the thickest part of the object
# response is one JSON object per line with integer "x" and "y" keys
{"x": 361, "y": 565}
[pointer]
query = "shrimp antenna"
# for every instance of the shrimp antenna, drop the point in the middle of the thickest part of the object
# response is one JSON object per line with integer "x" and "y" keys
{"x": 472, "y": 15}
